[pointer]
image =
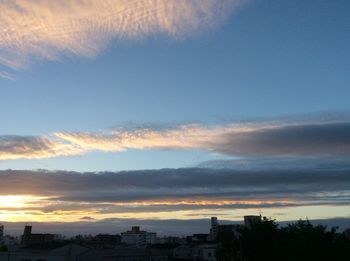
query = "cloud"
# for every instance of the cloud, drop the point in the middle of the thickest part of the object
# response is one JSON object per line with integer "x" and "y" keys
{"x": 256, "y": 139}
{"x": 48, "y": 30}
{"x": 171, "y": 190}
{"x": 87, "y": 218}
{"x": 259, "y": 139}
{"x": 6, "y": 75}
{"x": 278, "y": 162}
{"x": 301, "y": 186}
{"x": 31, "y": 147}
{"x": 179, "y": 138}
{"x": 306, "y": 139}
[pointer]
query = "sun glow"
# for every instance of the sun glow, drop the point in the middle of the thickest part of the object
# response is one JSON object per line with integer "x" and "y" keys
{"x": 14, "y": 207}
{"x": 11, "y": 201}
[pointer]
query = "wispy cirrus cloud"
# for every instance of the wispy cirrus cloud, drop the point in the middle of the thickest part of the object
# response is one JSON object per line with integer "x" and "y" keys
{"x": 6, "y": 75}
{"x": 46, "y": 29}
{"x": 259, "y": 139}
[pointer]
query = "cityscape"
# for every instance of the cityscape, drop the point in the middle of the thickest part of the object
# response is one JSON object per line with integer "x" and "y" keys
{"x": 140, "y": 245}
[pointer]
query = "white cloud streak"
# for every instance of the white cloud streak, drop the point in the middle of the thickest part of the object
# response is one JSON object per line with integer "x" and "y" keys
{"x": 50, "y": 29}
{"x": 6, "y": 75}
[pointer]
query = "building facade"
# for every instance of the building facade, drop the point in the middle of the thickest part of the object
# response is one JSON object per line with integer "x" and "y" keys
{"x": 137, "y": 237}
{"x": 29, "y": 238}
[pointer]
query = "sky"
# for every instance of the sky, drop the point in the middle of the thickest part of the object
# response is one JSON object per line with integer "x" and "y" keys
{"x": 156, "y": 110}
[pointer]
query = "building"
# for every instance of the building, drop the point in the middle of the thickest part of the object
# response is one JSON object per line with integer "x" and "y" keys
{"x": 1, "y": 233}
{"x": 65, "y": 253}
{"x": 137, "y": 237}
{"x": 105, "y": 240}
{"x": 250, "y": 220}
{"x": 182, "y": 252}
{"x": 217, "y": 229}
{"x": 123, "y": 254}
{"x": 205, "y": 252}
{"x": 171, "y": 240}
{"x": 10, "y": 241}
{"x": 198, "y": 239}
{"x": 232, "y": 229}
{"x": 29, "y": 239}
{"x": 214, "y": 228}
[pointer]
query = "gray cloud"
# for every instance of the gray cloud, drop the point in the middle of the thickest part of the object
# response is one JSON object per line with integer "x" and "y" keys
{"x": 33, "y": 147}
{"x": 280, "y": 163}
{"x": 212, "y": 186}
{"x": 55, "y": 181}
{"x": 305, "y": 139}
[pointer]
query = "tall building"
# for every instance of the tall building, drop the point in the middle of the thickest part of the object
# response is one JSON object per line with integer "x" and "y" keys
{"x": 26, "y": 234}
{"x": 137, "y": 237}
{"x": 214, "y": 228}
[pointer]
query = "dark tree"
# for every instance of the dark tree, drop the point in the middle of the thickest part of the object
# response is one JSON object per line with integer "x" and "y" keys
{"x": 261, "y": 241}
{"x": 228, "y": 247}
{"x": 264, "y": 240}
{"x": 305, "y": 241}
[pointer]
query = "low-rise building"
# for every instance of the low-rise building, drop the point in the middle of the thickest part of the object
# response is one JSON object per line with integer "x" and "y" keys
{"x": 137, "y": 237}
{"x": 106, "y": 240}
{"x": 183, "y": 252}
{"x": 205, "y": 252}
{"x": 29, "y": 239}
{"x": 123, "y": 254}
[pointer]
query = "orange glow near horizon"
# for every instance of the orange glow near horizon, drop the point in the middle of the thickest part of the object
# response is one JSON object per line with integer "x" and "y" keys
{"x": 30, "y": 208}
{"x": 202, "y": 202}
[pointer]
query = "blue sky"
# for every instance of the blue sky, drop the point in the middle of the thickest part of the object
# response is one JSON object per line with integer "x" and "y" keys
{"x": 270, "y": 59}
{"x": 236, "y": 84}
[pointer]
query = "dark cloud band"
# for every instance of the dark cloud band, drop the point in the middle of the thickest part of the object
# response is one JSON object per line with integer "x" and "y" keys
{"x": 316, "y": 139}
{"x": 175, "y": 185}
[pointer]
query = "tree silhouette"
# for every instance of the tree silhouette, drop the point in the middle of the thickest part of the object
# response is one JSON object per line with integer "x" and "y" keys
{"x": 265, "y": 240}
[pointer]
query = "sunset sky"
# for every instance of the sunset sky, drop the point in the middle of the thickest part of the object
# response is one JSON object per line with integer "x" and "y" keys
{"x": 174, "y": 109}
